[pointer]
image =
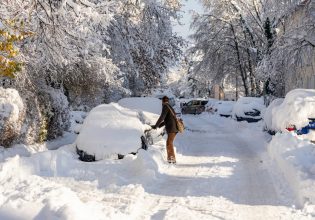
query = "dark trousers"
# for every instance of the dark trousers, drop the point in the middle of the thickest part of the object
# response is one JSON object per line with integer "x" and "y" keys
{"x": 170, "y": 146}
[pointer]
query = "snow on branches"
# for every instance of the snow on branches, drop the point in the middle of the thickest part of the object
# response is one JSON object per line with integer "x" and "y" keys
{"x": 255, "y": 41}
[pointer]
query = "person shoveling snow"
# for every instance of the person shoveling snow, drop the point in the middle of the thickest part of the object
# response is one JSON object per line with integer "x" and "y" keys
{"x": 168, "y": 118}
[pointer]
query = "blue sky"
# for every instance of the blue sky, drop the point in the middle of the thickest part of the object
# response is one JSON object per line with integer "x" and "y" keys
{"x": 186, "y": 19}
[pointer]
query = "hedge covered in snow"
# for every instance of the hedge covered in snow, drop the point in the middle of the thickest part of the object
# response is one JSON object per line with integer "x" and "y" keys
{"x": 32, "y": 116}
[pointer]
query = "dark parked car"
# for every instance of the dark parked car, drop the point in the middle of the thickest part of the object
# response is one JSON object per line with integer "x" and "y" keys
{"x": 194, "y": 107}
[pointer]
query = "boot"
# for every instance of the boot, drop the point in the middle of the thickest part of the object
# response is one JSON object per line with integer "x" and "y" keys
{"x": 171, "y": 160}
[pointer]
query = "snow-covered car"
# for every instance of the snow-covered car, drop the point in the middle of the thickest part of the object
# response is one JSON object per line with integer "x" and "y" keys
{"x": 268, "y": 124}
{"x": 296, "y": 112}
{"x": 248, "y": 109}
{"x": 224, "y": 108}
{"x": 220, "y": 107}
{"x": 194, "y": 106}
{"x": 211, "y": 105}
{"x": 111, "y": 131}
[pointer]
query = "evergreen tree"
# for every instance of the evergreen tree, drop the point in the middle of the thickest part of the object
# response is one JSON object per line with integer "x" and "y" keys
{"x": 268, "y": 33}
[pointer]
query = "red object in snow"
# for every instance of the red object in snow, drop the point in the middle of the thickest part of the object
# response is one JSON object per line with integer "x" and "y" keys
{"x": 291, "y": 128}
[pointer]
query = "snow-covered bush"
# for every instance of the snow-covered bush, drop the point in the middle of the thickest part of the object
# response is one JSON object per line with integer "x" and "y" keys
{"x": 47, "y": 115}
{"x": 55, "y": 110}
{"x": 12, "y": 113}
{"x": 248, "y": 107}
{"x": 296, "y": 109}
{"x": 109, "y": 130}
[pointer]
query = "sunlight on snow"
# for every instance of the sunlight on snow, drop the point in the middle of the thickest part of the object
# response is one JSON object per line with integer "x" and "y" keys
{"x": 222, "y": 167}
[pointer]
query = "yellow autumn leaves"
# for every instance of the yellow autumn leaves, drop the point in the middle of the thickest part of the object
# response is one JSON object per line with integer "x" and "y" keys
{"x": 10, "y": 35}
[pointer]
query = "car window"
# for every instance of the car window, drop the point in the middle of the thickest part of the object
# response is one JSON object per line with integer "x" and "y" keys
{"x": 190, "y": 103}
{"x": 204, "y": 102}
{"x": 196, "y": 102}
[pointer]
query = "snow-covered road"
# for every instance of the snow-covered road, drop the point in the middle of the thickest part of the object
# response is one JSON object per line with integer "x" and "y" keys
{"x": 223, "y": 172}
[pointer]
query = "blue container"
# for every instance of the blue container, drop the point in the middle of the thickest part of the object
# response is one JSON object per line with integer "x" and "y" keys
{"x": 302, "y": 131}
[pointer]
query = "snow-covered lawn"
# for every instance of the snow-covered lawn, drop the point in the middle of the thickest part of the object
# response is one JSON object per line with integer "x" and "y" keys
{"x": 223, "y": 172}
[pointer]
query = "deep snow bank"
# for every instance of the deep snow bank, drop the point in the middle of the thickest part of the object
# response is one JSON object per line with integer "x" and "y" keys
{"x": 110, "y": 129}
{"x": 56, "y": 185}
{"x": 296, "y": 160}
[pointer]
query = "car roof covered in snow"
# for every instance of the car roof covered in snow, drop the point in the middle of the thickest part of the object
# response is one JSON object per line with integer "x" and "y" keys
{"x": 110, "y": 129}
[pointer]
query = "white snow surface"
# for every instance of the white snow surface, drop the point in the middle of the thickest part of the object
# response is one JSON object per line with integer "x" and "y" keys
{"x": 223, "y": 171}
{"x": 268, "y": 116}
{"x": 110, "y": 129}
{"x": 247, "y": 104}
{"x": 11, "y": 105}
{"x": 147, "y": 104}
{"x": 296, "y": 159}
{"x": 297, "y": 107}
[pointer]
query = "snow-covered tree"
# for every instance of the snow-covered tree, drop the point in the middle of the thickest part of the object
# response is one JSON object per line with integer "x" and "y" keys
{"x": 239, "y": 39}
{"x": 11, "y": 33}
{"x": 65, "y": 54}
{"x": 293, "y": 45}
{"x": 92, "y": 51}
{"x": 230, "y": 38}
{"x": 142, "y": 42}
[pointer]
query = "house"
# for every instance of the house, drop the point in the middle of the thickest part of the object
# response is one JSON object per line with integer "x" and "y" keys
{"x": 217, "y": 92}
{"x": 299, "y": 24}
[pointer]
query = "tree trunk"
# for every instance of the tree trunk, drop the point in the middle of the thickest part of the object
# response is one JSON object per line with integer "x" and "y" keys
{"x": 240, "y": 66}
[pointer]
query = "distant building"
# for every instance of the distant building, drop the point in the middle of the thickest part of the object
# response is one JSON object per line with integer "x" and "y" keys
{"x": 303, "y": 73}
{"x": 217, "y": 92}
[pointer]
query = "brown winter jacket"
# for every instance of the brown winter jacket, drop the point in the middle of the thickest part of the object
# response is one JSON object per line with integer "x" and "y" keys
{"x": 166, "y": 118}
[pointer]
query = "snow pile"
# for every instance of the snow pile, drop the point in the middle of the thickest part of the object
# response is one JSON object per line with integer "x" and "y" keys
{"x": 110, "y": 129}
{"x": 268, "y": 120}
{"x": 296, "y": 160}
{"x": 12, "y": 113}
{"x": 296, "y": 109}
{"x": 56, "y": 185}
{"x": 248, "y": 104}
{"x": 148, "y": 104}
